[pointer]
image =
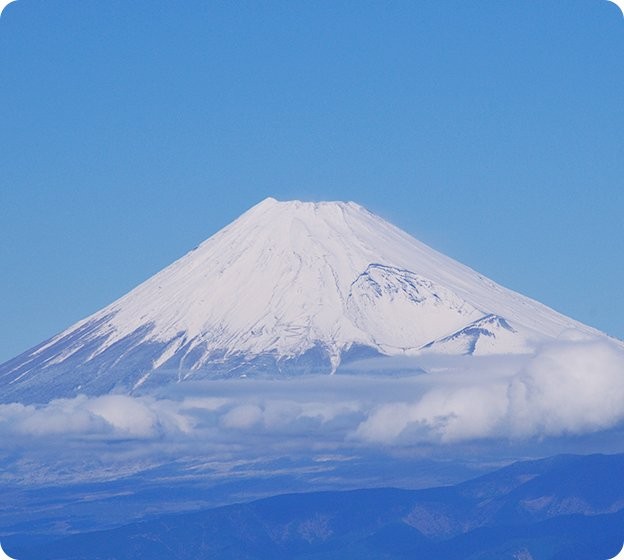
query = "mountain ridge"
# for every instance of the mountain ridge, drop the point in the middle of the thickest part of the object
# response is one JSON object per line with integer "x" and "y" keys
{"x": 557, "y": 507}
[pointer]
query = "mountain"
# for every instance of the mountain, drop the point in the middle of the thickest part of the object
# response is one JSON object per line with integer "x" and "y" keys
{"x": 555, "y": 508}
{"x": 288, "y": 287}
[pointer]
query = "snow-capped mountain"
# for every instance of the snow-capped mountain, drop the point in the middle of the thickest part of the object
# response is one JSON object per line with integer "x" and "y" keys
{"x": 288, "y": 287}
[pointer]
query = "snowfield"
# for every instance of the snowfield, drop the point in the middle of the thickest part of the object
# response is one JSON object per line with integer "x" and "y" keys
{"x": 288, "y": 287}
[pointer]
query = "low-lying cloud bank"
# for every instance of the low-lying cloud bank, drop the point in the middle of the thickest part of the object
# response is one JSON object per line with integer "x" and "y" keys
{"x": 567, "y": 388}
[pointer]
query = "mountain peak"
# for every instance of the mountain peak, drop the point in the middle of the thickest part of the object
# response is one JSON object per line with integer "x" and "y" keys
{"x": 289, "y": 286}
{"x": 301, "y": 206}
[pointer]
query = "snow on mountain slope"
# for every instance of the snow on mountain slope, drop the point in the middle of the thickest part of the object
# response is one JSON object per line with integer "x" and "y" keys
{"x": 483, "y": 337}
{"x": 286, "y": 284}
{"x": 403, "y": 310}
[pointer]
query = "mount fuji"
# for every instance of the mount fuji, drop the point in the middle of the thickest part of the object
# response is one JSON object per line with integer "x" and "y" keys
{"x": 287, "y": 288}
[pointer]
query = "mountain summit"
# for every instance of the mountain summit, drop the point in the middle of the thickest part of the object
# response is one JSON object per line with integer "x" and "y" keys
{"x": 287, "y": 287}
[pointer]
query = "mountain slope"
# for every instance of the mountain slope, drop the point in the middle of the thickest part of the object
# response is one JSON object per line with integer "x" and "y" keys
{"x": 287, "y": 287}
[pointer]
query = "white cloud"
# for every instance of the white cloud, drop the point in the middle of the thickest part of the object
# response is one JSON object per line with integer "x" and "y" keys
{"x": 108, "y": 416}
{"x": 125, "y": 414}
{"x": 570, "y": 387}
{"x": 447, "y": 413}
{"x": 241, "y": 417}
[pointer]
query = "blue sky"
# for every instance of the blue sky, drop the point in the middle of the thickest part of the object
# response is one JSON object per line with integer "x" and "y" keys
{"x": 131, "y": 131}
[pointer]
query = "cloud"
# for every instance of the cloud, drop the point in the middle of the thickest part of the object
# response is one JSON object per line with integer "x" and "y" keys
{"x": 448, "y": 413}
{"x": 241, "y": 417}
{"x": 111, "y": 416}
{"x": 571, "y": 387}
{"x": 567, "y": 388}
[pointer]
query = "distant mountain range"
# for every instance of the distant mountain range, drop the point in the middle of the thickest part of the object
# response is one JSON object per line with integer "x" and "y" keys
{"x": 287, "y": 288}
{"x": 561, "y": 508}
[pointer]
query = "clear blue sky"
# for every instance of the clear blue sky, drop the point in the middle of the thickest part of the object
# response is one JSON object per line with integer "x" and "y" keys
{"x": 131, "y": 131}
